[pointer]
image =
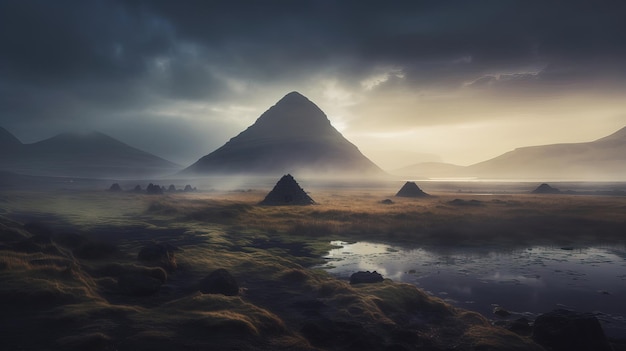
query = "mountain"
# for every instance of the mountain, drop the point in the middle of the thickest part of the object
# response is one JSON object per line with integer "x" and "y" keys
{"x": 292, "y": 136}
{"x": 602, "y": 159}
{"x": 80, "y": 155}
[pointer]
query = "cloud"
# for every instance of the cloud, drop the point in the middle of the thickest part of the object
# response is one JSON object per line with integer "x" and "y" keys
{"x": 69, "y": 64}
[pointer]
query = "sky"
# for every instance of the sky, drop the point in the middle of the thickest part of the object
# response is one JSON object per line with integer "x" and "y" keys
{"x": 452, "y": 81}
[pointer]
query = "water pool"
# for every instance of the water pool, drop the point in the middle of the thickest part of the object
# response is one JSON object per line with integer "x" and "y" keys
{"x": 527, "y": 281}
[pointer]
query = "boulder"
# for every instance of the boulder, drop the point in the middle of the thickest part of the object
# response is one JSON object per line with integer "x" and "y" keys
{"x": 219, "y": 281}
{"x": 366, "y": 277}
{"x": 563, "y": 330}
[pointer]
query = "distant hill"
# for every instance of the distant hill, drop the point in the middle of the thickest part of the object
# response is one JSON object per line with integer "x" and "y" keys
{"x": 293, "y": 136}
{"x": 602, "y": 159}
{"x": 93, "y": 155}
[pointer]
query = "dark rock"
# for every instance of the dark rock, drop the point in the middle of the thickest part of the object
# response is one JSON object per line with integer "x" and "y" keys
{"x": 386, "y": 202}
{"x": 563, "y": 330}
{"x": 287, "y": 192}
{"x": 546, "y": 189}
{"x": 160, "y": 254}
{"x": 136, "y": 284}
{"x": 410, "y": 189}
{"x": 154, "y": 189}
{"x": 115, "y": 188}
{"x": 366, "y": 277}
{"x": 219, "y": 281}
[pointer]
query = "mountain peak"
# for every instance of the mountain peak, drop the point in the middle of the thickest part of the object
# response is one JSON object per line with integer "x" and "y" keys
{"x": 293, "y": 96}
{"x": 293, "y": 116}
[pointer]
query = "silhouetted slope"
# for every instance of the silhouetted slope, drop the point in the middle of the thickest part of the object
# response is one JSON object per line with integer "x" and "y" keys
{"x": 604, "y": 158}
{"x": 84, "y": 155}
{"x": 8, "y": 140}
{"x": 293, "y": 135}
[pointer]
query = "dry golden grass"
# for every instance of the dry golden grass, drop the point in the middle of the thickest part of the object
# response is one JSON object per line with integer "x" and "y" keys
{"x": 283, "y": 305}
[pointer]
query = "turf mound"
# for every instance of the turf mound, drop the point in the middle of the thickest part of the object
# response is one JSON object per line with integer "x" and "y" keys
{"x": 410, "y": 189}
{"x": 287, "y": 192}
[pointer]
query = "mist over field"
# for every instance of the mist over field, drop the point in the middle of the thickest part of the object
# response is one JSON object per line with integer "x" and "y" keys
{"x": 312, "y": 175}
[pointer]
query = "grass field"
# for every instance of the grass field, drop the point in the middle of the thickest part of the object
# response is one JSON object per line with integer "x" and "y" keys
{"x": 64, "y": 253}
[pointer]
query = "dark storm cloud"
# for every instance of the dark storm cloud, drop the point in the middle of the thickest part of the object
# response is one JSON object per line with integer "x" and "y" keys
{"x": 64, "y": 62}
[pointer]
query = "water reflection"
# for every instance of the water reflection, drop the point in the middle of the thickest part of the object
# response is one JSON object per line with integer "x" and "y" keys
{"x": 526, "y": 281}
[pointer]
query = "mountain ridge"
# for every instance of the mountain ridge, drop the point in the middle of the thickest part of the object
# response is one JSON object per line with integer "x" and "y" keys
{"x": 93, "y": 154}
{"x": 603, "y": 158}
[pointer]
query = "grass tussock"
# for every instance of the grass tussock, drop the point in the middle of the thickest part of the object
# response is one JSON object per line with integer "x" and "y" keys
{"x": 214, "y": 313}
{"x": 482, "y": 337}
{"x": 396, "y": 298}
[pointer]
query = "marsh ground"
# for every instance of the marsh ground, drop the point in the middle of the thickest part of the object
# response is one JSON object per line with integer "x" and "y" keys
{"x": 63, "y": 252}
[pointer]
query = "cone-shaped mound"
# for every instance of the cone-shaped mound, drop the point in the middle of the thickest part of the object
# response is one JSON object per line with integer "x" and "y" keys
{"x": 546, "y": 189}
{"x": 287, "y": 192}
{"x": 410, "y": 189}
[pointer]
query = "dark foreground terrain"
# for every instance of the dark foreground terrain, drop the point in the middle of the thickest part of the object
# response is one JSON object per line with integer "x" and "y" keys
{"x": 94, "y": 270}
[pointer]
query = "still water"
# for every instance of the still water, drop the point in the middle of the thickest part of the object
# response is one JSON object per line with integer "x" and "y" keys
{"x": 526, "y": 282}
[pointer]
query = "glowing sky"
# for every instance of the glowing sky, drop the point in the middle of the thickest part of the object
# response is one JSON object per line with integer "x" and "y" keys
{"x": 406, "y": 81}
